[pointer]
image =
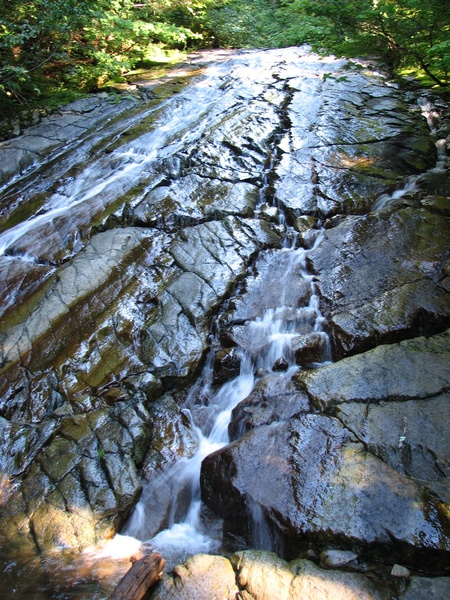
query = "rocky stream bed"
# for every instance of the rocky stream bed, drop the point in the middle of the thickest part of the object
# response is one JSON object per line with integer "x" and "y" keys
{"x": 233, "y": 284}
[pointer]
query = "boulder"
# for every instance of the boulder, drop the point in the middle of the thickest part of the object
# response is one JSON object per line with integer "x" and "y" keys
{"x": 202, "y": 577}
{"x": 325, "y": 487}
{"x": 394, "y": 398}
{"x": 404, "y": 251}
{"x": 227, "y": 363}
{"x": 257, "y": 575}
{"x": 409, "y": 436}
{"x": 311, "y": 348}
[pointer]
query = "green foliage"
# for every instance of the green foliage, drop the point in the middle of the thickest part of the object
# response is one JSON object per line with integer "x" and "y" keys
{"x": 51, "y": 45}
{"x": 402, "y": 32}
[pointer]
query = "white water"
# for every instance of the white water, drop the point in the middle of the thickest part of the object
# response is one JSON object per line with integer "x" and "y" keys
{"x": 112, "y": 175}
{"x": 275, "y": 330}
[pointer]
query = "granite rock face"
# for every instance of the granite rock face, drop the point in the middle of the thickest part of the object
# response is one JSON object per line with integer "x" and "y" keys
{"x": 382, "y": 277}
{"x": 148, "y": 241}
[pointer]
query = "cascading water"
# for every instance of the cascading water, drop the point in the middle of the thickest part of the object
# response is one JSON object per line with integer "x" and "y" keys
{"x": 271, "y": 336}
{"x": 274, "y": 121}
{"x": 132, "y": 166}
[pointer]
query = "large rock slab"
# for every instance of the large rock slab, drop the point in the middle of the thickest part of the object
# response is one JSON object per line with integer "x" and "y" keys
{"x": 395, "y": 399}
{"x": 325, "y": 488}
{"x": 209, "y": 258}
{"x": 409, "y": 436}
{"x": 83, "y": 481}
{"x": 381, "y": 277}
{"x": 79, "y": 313}
{"x": 427, "y": 587}
{"x": 192, "y": 199}
{"x": 413, "y": 369}
{"x": 351, "y": 138}
{"x": 58, "y": 130}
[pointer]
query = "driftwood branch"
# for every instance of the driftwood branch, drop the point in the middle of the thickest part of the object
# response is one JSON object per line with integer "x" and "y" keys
{"x": 138, "y": 580}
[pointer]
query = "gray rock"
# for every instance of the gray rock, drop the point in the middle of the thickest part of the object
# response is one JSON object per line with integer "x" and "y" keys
{"x": 410, "y": 436}
{"x": 19, "y": 279}
{"x": 15, "y": 160}
{"x": 260, "y": 575}
{"x": 311, "y": 348}
{"x": 202, "y": 577}
{"x": 274, "y": 398}
{"x": 87, "y": 480}
{"x": 421, "y": 588}
{"x": 399, "y": 571}
{"x": 37, "y": 143}
{"x": 80, "y": 297}
{"x": 227, "y": 363}
{"x": 414, "y": 369}
{"x": 402, "y": 297}
{"x": 192, "y": 199}
{"x": 211, "y": 256}
{"x": 334, "y": 169}
{"x": 338, "y": 559}
{"x": 327, "y": 488}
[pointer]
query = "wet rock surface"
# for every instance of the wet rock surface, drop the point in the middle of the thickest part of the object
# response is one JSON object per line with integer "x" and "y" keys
{"x": 325, "y": 486}
{"x": 145, "y": 240}
{"x": 405, "y": 293}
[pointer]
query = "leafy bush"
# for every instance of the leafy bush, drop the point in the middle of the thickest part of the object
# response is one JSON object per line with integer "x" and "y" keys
{"x": 46, "y": 45}
{"x": 81, "y": 43}
{"x": 402, "y": 32}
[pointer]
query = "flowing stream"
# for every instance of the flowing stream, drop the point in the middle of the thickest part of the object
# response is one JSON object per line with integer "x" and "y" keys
{"x": 187, "y": 533}
{"x": 284, "y": 133}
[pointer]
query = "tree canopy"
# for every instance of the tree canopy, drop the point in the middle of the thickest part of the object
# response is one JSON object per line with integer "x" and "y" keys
{"x": 81, "y": 44}
{"x": 403, "y": 32}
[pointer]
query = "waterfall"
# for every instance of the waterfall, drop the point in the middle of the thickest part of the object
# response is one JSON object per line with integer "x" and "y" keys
{"x": 225, "y": 205}
{"x": 275, "y": 330}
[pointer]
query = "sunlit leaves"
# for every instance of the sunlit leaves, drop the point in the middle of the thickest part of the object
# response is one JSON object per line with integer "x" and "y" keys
{"x": 403, "y": 32}
{"x": 82, "y": 43}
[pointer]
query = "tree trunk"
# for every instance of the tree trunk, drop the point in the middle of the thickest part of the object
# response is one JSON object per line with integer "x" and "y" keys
{"x": 138, "y": 580}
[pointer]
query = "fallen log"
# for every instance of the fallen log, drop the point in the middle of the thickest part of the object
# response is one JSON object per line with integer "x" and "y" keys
{"x": 138, "y": 580}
